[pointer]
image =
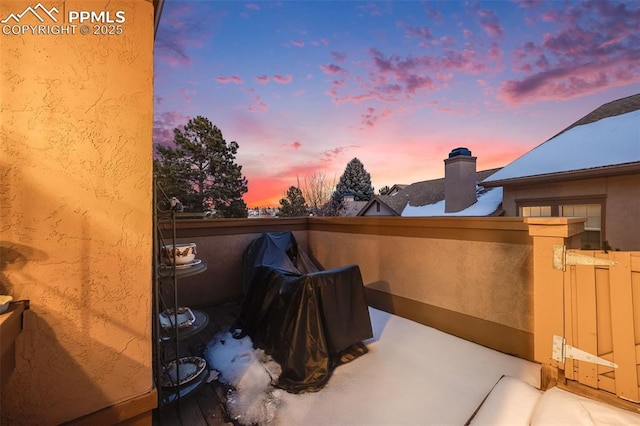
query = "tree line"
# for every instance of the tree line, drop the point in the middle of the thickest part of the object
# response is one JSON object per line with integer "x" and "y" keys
{"x": 201, "y": 172}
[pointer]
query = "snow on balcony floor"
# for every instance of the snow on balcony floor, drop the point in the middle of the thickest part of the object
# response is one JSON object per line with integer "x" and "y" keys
{"x": 412, "y": 375}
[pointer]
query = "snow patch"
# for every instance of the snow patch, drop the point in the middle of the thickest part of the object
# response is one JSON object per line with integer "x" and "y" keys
{"x": 251, "y": 373}
{"x": 606, "y": 142}
{"x": 488, "y": 202}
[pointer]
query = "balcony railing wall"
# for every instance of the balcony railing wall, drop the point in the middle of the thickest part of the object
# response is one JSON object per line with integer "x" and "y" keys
{"x": 470, "y": 277}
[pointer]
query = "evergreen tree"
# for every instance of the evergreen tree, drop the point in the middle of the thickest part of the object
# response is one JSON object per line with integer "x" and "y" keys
{"x": 293, "y": 204}
{"x": 355, "y": 180}
{"x": 201, "y": 170}
{"x": 384, "y": 190}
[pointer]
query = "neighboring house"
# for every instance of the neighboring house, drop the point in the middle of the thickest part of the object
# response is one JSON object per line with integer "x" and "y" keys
{"x": 591, "y": 169}
{"x": 349, "y": 206}
{"x": 455, "y": 194}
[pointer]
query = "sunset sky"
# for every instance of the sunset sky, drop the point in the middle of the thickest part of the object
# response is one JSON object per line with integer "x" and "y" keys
{"x": 305, "y": 86}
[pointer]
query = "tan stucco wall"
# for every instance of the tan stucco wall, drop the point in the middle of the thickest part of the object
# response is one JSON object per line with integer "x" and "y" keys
{"x": 470, "y": 277}
{"x": 75, "y": 212}
{"x": 622, "y": 203}
{"x": 487, "y": 280}
{"x": 222, "y": 281}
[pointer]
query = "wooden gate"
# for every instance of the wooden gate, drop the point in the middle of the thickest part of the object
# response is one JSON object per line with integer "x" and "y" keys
{"x": 602, "y": 318}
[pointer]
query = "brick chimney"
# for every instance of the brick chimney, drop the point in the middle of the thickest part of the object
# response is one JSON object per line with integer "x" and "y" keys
{"x": 459, "y": 180}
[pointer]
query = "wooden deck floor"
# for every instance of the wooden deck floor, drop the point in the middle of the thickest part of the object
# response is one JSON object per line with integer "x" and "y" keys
{"x": 204, "y": 407}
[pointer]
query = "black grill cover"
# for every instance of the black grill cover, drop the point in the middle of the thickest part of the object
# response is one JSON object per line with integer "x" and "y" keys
{"x": 309, "y": 320}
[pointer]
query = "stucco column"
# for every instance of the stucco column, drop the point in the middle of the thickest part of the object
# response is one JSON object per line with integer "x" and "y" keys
{"x": 548, "y": 310}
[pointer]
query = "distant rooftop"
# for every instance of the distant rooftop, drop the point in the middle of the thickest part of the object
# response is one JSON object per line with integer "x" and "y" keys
{"x": 423, "y": 193}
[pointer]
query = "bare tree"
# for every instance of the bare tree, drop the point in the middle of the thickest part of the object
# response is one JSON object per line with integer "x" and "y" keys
{"x": 317, "y": 190}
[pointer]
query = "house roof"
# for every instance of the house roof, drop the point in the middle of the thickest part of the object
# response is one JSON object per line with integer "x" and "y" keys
{"x": 605, "y": 141}
{"x": 350, "y": 208}
{"x": 419, "y": 194}
{"x": 611, "y": 109}
{"x": 488, "y": 203}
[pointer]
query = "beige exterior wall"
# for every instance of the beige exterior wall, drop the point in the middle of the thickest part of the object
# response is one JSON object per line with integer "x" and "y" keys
{"x": 76, "y": 217}
{"x": 222, "y": 282}
{"x": 489, "y": 280}
{"x": 471, "y": 277}
{"x": 622, "y": 203}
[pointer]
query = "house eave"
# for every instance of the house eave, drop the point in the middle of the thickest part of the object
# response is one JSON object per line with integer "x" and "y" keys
{"x": 157, "y": 12}
{"x": 615, "y": 170}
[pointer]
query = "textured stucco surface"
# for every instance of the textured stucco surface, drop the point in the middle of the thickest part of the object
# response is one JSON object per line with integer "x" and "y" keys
{"x": 75, "y": 213}
{"x": 488, "y": 280}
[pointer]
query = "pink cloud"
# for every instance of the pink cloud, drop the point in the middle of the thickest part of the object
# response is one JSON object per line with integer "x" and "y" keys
{"x": 232, "y": 79}
{"x": 295, "y": 145}
{"x": 257, "y": 105}
{"x": 180, "y": 31}
{"x": 391, "y": 77}
{"x": 372, "y": 116}
{"x": 447, "y": 40}
{"x": 528, "y": 4}
{"x": 331, "y": 154}
{"x": 332, "y": 69}
{"x": 434, "y": 15}
{"x": 339, "y": 56}
{"x": 489, "y": 22}
{"x": 297, "y": 43}
{"x": 594, "y": 48}
{"x": 283, "y": 79}
{"x": 570, "y": 82}
{"x": 421, "y": 33}
{"x": 262, "y": 79}
{"x": 356, "y": 99}
{"x": 164, "y": 124}
{"x": 187, "y": 94}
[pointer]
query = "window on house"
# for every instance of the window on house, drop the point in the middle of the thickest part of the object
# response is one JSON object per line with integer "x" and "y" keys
{"x": 378, "y": 207}
{"x": 535, "y": 211}
{"x": 591, "y": 207}
{"x": 591, "y": 237}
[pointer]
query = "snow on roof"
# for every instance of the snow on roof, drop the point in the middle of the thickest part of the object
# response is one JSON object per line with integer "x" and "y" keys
{"x": 488, "y": 202}
{"x": 606, "y": 142}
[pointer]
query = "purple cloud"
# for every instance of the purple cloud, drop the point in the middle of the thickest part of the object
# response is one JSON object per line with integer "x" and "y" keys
{"x": 180, "y": 31}
{"x": 163, "y": 126}
{"x": 339, "y": 56}
{"x": 231, "y": 79}
{"x": 257, "y": 105}
{"x": 332, "y": 69}
{"x": 331, "y": 154}
{"x": 596, "y": 46}
{"x": 489, "y": 22}
{"x": 283, "y": 79}
{"x": 262, "y": 79}
{"x": 421, "y": 33}
{"x": 372, "y": 116}
{"x": 294, "y": 145}
{"x": 395, "y": 76}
